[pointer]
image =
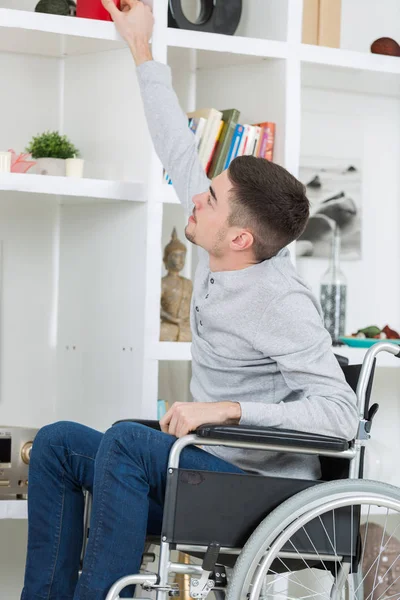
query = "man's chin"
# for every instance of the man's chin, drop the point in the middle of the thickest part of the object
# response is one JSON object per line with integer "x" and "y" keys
{"x": 189, "y": 236}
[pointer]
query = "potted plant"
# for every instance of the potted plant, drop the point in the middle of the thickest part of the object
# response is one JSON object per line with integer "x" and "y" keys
{"x": 50, "y": 150}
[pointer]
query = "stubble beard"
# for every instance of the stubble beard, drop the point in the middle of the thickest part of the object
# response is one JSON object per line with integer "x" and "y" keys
{"x": 189, "y": 236}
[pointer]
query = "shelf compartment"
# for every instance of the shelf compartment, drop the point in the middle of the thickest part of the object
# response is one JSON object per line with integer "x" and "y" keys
{"x": 338, "y": 57}
{"x": 169, "y": 195}
{"x": 356, "y": 356}
{"x": 68, "y": 186}
{"x": 13, "y": 509}
{"x": 170, "y": 351}
{"x": 217, "y": 50}
{"x": 350, "y": 71}
{"x": 42, "y": 34}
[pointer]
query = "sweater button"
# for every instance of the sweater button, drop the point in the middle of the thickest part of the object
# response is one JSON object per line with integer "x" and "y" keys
{"x": 197, "y": 308}
{"x": 211, "y": 280}
{"x": 201, "y": 323}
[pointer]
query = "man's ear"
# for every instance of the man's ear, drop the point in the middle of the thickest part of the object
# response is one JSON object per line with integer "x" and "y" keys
{"x": 243, "y": 240}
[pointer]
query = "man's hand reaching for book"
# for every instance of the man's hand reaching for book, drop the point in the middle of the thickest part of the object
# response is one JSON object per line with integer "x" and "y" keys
{"x": 134, "y": 22}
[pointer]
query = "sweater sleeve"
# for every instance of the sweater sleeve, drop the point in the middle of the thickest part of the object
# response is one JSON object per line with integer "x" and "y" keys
{"x": 292, "y": 334}
{"x": 173, "y": 141}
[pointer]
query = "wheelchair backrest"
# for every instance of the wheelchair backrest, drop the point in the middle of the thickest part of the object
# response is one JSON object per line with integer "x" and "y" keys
{"x": 337, "y": 468}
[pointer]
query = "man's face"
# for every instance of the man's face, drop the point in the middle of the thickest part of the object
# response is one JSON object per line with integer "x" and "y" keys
{"x": 207, "y": 226}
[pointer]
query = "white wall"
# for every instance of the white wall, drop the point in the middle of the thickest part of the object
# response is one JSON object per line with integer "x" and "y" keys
{"x": 364, "y": 21}
{"x": 351, "y": 126}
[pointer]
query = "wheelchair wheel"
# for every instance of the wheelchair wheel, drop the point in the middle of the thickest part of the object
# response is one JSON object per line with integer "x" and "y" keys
{"x": 336, "y": 541}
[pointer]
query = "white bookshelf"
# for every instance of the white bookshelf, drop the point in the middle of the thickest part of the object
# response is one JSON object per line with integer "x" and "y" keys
{"x": 48, "y": 35}
{"x": 93, "y": 261}
{"x": 170, "y": 351}
{"x": 68, "y": 186}
{"x": 13, "y": 509}
{"x": 356, "y": 356}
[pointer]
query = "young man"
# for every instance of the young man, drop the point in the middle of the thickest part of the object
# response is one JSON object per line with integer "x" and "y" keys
{"x": 260, "y": 353}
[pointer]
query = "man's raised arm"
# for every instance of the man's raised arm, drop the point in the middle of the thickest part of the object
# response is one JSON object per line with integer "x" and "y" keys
{"x": 168, "y": 125}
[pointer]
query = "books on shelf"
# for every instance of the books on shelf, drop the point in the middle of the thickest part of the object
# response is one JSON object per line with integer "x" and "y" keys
{"x": 220, "y": 138}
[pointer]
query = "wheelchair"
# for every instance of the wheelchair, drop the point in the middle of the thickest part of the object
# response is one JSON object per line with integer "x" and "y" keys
{"x": 262, "y": 537}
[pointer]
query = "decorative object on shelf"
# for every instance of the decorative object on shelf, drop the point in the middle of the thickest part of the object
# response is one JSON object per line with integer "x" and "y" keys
{"x": 93, "y": 9}
{"x": 53, "y": 7}
{"x": 355, "y": 342}
{"x": 334, "y": 191}
{"x": 20, "y": 163}
{"x": 386, "y": 46}
{"x": 213, "y": 16}
{"x": 333, "y": 291}
{"x": 380, "y": 580}
{"x": 72, "y": 8}
{"x": 74, "y": 167}
{"x": 322, "y": 22}
{"x": 310, "y": 22}
{"x": 5, "y": 162}
{"x": 366, "y": 337}
{"x": 51, "y": 149}
{"x": 176, "y": 294}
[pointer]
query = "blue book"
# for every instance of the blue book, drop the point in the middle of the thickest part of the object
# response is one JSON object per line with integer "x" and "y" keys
{"x": 237, "y": 136}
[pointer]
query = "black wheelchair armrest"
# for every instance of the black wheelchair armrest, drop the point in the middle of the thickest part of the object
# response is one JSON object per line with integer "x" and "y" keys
{"x": 146, "y": 422}
{"x": 272, "y": 435}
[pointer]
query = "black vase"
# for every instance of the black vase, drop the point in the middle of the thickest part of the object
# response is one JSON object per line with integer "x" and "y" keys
{"x": 216, "y": 16}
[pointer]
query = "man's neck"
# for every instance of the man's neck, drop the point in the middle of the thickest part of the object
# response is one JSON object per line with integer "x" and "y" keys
{"x": 230, "y": 263}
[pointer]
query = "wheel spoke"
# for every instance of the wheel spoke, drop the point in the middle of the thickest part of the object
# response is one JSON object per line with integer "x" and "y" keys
{"x": 393, "y": 582}
{"x": 305, "y": 559}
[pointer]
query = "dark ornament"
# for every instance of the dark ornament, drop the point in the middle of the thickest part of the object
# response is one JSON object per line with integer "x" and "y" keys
{"x": 216, "y": 16}
{"x": 385, "y": 46}
{"x": 72, "y": 8}
{"x": 53, "y": 7}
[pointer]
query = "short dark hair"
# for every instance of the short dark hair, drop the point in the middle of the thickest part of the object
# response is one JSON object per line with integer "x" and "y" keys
{"x": 269, "y": 201}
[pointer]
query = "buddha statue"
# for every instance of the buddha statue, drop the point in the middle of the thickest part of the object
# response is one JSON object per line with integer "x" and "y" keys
{"x": 176, "y": 294}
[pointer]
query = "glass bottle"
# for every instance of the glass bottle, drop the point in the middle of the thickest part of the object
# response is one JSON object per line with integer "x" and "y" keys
{"x": 333, "y": 293}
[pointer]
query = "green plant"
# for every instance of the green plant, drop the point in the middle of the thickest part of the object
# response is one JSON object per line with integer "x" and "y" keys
{"x": 51, "y": 144}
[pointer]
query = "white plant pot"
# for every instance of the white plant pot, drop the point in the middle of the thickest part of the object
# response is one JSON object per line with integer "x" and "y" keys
{"x": 50, "y": 166}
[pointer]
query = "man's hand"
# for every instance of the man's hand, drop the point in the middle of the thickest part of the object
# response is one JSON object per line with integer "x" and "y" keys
{"x": 134, "y": 23}
{"x": 184, "y": 417}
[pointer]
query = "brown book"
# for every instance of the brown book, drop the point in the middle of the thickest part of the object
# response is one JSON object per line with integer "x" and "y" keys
{"x": 310, "y": 22}
{"x": 330, "y": 18}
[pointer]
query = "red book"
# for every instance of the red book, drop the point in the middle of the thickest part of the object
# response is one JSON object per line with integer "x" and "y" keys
{"x": 93, "y": 9}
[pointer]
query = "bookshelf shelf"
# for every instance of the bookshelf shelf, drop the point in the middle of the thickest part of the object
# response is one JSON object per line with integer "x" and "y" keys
{"x": 73, "y": 188}
{"x": 356, "y": 356}
{"x": 53, "y": 35}
{"x": 336, "y": 57}
{"x": 170, "y": 351}
{"x": 13, "y": 509}
{"x": 216, "y": 50}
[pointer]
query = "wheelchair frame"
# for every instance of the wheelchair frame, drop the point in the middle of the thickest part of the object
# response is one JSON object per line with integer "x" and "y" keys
{"x": 159, "y": 582}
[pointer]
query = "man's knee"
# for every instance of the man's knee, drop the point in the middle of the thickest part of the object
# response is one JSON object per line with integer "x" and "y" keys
{"x": 131, "y": 435}
{"x": 55, "y": 434}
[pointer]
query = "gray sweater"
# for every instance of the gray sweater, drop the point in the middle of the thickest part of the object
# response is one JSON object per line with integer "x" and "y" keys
{"x": 258, "y": 333}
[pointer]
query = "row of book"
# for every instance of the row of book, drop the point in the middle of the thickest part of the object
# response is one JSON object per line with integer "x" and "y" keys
{"x": 220, "y": 138}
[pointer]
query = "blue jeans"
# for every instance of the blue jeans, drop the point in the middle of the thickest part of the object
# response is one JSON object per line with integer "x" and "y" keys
{"x": 125, "y": 470}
